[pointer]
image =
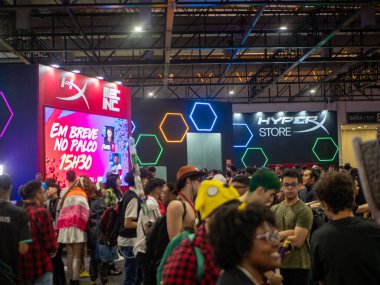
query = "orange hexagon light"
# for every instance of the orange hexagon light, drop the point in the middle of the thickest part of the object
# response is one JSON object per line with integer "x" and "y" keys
{"x": 174, "y": 140}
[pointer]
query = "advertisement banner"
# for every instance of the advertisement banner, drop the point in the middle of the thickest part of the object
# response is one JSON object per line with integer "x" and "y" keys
{"x": 89, "y": 144}
{"x": 285, "y": 137}
{"x": 70, "y": 91}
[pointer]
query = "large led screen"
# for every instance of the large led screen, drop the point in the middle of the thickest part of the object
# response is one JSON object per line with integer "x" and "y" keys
{"x": 88, "y": 144}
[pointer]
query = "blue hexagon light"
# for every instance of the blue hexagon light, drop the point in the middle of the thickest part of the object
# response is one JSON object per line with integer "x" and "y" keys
{"x": 133, "y": 127}
{"x": 194, "y": 119}
{"x": 250, "y": 133}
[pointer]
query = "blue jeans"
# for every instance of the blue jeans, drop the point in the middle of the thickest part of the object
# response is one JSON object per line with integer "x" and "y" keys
{"x": 132, "y": 271}
{"x": 45, "y": 279}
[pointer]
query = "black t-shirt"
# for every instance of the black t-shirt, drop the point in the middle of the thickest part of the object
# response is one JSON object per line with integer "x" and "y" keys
{"x": 14, "y": 228}
{"x": 347, "y": 251}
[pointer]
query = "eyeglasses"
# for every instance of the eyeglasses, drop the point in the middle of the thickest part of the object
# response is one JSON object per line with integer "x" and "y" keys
{"x": 292, "y": 185}
{"x": 240, "y": 187}
{"x": 272, "y": 237}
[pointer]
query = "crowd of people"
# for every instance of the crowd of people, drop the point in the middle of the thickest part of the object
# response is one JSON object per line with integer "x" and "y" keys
{"x": 297, "y": 225}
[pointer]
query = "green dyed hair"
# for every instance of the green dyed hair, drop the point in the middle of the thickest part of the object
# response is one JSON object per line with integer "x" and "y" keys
{"x": 265, "y": 178}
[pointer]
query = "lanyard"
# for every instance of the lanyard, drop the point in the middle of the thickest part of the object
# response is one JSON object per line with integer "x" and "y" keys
{"x": 188, "y": 201}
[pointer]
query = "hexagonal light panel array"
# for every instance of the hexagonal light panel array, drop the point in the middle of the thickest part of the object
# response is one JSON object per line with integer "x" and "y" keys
{"x": 333, "y": 144}
{"x": 253, "y": 149}
{"x": 180, "y": 137}
{"x": 4, "y": 128}
{"x": 141, "y": 136}
{"x": 194, "y": 119}
{"x": 250, "y": 133}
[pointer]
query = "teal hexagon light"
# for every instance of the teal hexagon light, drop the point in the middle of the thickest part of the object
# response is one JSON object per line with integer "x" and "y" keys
{"x": 254, "y": 149}
{"x": 142, "y": 136}
{"x": 318, "y": 156}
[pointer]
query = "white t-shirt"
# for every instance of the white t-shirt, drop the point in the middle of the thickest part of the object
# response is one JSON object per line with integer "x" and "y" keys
{"x": 131, "y": 212}
{"x": 146, "y": 221}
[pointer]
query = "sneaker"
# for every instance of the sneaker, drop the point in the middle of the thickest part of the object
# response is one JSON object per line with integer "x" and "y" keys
{"x": 84, "y": 274}
{"x": 114, "y": 272}
{"x": 121, "y": 258}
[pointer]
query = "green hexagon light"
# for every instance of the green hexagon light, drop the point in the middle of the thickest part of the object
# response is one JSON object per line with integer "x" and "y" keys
{"x": 325, "y": 139}
{"x": 254, "y": 148}
{"x": 159, "y": 154}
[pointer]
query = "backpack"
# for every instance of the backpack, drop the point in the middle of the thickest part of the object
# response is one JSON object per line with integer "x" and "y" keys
{"x": 111, "y": 222}
{"x": 319, "y": 219}
{"x": 158, "y": 239}
{"x": 97, "y": 208}
{"x": 174, "y": 243}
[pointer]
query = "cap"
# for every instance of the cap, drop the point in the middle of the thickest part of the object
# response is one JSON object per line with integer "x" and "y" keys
{"x": 212, "y": 194}
{"x": 187, "y": 171}
{"x": 266, "y": 179}
{"x": 219, "y": 177}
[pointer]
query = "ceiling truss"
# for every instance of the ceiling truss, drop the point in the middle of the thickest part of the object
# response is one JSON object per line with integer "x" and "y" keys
{"x": 224, "y": 50}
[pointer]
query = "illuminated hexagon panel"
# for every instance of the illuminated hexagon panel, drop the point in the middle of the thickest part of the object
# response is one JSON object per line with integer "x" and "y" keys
{"x": 3, "y": 127}
{"x": 198, "y": 106}
{"x": 153, "y": 138}
{"x": 133, "y": 127}
{"x": 333, "y": 144}
{"x": 259, "y": 149}
{"x": 249, "y": 131}
{"x": 181, "y": 136}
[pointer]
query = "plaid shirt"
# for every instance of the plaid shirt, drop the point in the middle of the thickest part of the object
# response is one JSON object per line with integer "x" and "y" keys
{"x": 37, "y": 260}
{"x": 110, "y": 198}
{"x": 181, "y": 266}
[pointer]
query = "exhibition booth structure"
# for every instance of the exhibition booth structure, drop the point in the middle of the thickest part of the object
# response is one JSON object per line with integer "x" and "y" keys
{"x": 53, "y": 121}
{"x": 85, "y": 125}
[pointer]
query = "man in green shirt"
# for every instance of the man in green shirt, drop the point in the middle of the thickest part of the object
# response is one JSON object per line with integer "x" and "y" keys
{"x": 294, "y": 220}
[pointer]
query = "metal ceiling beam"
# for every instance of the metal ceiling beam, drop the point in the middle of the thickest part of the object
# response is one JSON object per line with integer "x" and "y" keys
{"x": 245, "y": 37}
{"x": 180, "y": 4}
{"x": 344, "y": 68}
{"x": 324, "y": 40}
{"x": 208, "y": 62}
{"x": 14, "y": 51}
{"x": 41, "y": 31}
{"x": 168, "y": 37}
{"x": 120, "y": 48}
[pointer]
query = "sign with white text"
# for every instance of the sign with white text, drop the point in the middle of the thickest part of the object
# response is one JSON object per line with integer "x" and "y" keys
{"x": 70, "y": 91}
{"x": 285, "y": 137}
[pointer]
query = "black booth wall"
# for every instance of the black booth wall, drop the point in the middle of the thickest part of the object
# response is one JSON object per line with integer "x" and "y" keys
{"x": 148, "y": 113}
{"x": 18, "y": 146}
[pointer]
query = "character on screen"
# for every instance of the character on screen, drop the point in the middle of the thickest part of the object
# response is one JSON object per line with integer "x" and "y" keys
{"x": 108, "y": 135}
{"x": 115, "y": 163}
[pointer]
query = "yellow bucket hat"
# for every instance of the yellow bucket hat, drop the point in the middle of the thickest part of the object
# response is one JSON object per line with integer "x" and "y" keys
{"x": 212, "y": 194}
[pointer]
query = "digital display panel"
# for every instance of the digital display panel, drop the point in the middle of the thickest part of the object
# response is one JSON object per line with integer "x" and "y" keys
{"x": 88, "y": 144}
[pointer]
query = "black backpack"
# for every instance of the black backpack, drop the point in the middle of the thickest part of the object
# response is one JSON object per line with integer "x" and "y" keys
{"x": 319, "y": 219}
{"x": 158, "y": 240}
